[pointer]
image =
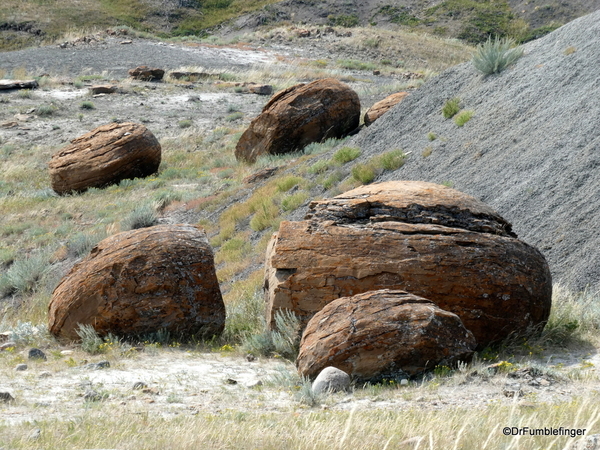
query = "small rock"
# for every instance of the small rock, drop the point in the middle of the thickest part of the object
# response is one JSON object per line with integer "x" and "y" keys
{"x": 4, "y": 336}
{"x": 255, "y": 384}
{"x": 512, "y": 390}
{"x": 45, "y": 374}
{"x": 93, "y": 396}
{"x": 230, "y": 381}
{"x": 9, "y": 344}
{"x": 150, "y": 391}
{"x": 66, "y": 352}
{"x": 139, "y": 385}
{"x": 5, "y": 397}
{"x": 250, "y": 357}
{"x": 21, "y": 367}
{"x": 35, "y": 435}
{"x": 543, "y": 382}
{"x": 97, "y": 366}
{"x": 36, "y": 354}
{"x": 331, "y": 379}
{"x": 404, "y": 382}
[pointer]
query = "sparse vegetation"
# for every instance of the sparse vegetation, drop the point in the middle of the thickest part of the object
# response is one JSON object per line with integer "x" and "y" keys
{"x": 87, "y": 105}
{"x": 142, "y": 216}
{"x": 495, "y": 55}
{"x": 363, "y": 173}
{"x": 45, "y": 110}
{"x": 451, "y": 107}
{"x": 463, "y": 117}
{"x": 186, "y": 123}
{"x": 346, "y": 154}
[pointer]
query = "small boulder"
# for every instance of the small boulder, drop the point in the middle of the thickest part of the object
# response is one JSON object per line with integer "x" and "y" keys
{"x": 383, "y": 106}
{"x": 331, "y": 379}
{"x": 146, "y": 73}
{"x": 260, "y": 89}
{"x": 36, "y": 354}
{"x": 298, "y": 116}
{"x": 5, "y": 397}
{"x": 383, "y": 334}
{"x": 104, "y": 156}
{"x": 103, "y": 89}
{"x": 142, "y": 281}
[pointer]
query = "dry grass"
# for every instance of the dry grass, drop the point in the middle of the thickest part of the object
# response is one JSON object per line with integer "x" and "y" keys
{"x": 103, "y": 426}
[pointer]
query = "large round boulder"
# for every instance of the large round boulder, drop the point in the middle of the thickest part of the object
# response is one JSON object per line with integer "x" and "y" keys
{"x": 383, "y": 334}
{"x": 427, "y": 239}
{"x": 142, "y": 281}
{"x": 104, "y": 156}
{"x": 298, "y": 116}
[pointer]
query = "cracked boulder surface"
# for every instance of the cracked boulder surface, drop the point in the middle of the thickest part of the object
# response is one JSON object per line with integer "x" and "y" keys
{"x": 105, "y": 156}
{"x": 298, "y": 116}
{"x": 142, "y": 281}
{"x": 383, "y": 334}
{"x": 427, "y": 239}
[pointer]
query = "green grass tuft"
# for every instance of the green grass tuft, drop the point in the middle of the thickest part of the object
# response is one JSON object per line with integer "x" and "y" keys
{"x": 346, "y": 154}
{"x": 451, "y": 107}
{"x": 463, "y": 117}
{"x": 495, "y": 55}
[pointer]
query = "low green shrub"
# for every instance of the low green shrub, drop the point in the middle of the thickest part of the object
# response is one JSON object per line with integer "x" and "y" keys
{"x": 463, "y": 117}
{"x": 87, "y": 105}
{"x": 141, "y": 217}
{"x": 495, "y": 55}
{"x": 364, "y": 173}
{"x": 294, "y": 201}
{"x": 451, "y": 107}
{"x": 346, "y": 154}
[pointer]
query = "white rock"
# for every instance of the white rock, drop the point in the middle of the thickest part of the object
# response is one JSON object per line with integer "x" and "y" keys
{"x": 331, "y": 380}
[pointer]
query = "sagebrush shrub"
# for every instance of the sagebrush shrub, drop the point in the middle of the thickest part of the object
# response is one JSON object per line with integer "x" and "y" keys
{"x": 493, "y": 56}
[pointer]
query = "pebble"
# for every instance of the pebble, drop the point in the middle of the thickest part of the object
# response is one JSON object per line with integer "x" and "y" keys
{"x": 93, "y": 396}
{"x": 21, "y": 367}
{"x": 45, "y": 374}
{"x": 37, "y": 354}
{"x": 139, "y": 385}
{"x": 404, "y": 382}
{"x": 97, "y": 366}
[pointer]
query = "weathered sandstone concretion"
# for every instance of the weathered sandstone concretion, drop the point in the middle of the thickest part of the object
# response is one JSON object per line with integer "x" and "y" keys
{"x": 383, "y": 106}
{"x": 383, "y": 334}
{"x": 298, "y": 116}
{"x": 146, "y": 73}
{"x": 104, "y": 156}
{"x": 142, "y": 281}
{"x": 427, "y": 239}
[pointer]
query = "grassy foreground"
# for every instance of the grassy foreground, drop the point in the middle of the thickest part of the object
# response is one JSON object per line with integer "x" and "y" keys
{"x": 460, "y": 428}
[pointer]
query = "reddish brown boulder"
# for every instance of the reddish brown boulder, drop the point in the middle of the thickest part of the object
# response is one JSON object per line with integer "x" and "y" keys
{"x": 103, "y": 89}
{"x": 142, "y": 281}
{"x": 383, "y": 334}
{"x": 146, "y": 73}
{"x": 104, "y": 156}
{"x": 427, "y": 239}
{"x": 383, "y": 106}
{"x": 298, "y": 116}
